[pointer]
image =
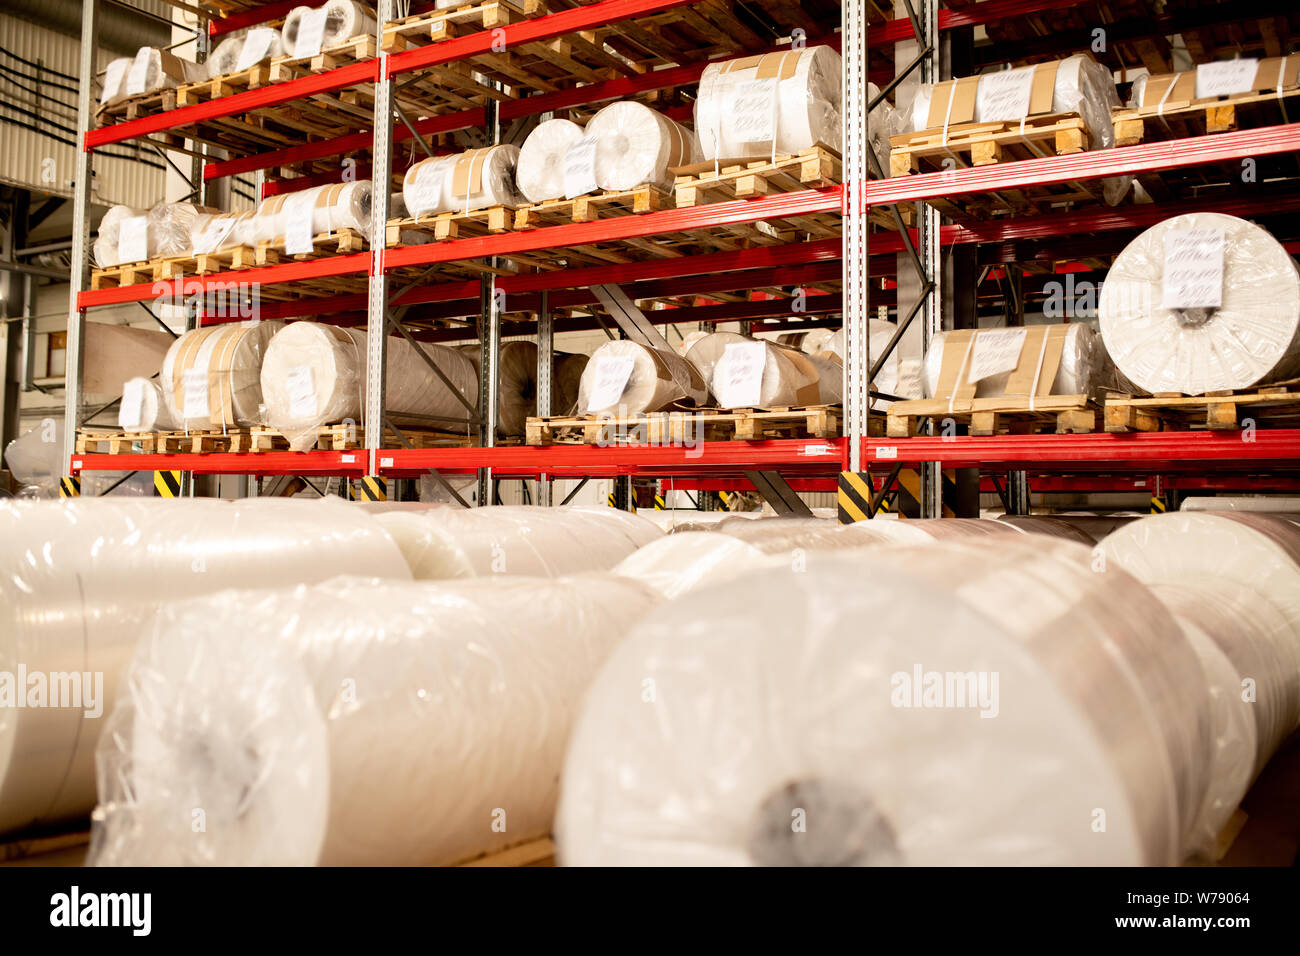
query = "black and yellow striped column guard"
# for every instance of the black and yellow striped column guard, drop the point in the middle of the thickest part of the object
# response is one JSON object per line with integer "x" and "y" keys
{"x": 70, "y": 487}
{"x": 1158, "y": 505}
{"x": 370, "y": 488}
{"x": 167, "y": 484}
{"x": 659, "y": 503}
{"x": 854, "y": 497}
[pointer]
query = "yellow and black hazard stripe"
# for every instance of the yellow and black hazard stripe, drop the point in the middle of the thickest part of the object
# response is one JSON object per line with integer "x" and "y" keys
{"x": 167, "y": 484}
{"x": 659, "y": 503}
{"x": 370, "y": 488}
{"x": 70, "y": 487}
{"x": 909, "y": 483}
{"x": 1158, "y": 505}
{"x": 613, "y": 500}
{"x": 854, "y": 497}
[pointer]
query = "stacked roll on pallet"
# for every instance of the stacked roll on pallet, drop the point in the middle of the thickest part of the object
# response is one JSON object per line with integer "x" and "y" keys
{"x": 878, "y": 733}
{"x": 134, "y": 235}
{"x": 82, "y": 580}
{"x": 518, "y": 540}
{"x": 315, "y": 374}
{"x": 211, "y": 376}
{"x": 517, "y": 383}
{"x": 540, "y": 169}
{"x": 394, "y": 723}
{"x": 243, "y": 51}
{"x": 635, "y": 146}
{"x": 464, "y": 182}
{"x": 144, "y": 408}
{"x": 319, "y": 210}
{"x": 1202, "y": 302}
{"x": 150, "y": 70}
{"x": 879, "y": 336}
{"x": 742, "y": 372}
{"x": 344, "y": 20}
{"x": 219, "y": 232}
{"x": 626, "y": 377}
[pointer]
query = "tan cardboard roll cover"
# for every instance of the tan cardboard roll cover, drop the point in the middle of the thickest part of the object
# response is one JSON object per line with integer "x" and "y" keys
{"x": 471, "y": 180}
{"x": 1168, "y": 90}
{"x": 228, "y": 359}
{"x": 658, "y": 379}
{"x": 116, "y": 353}
{"x": 333, "y": 207}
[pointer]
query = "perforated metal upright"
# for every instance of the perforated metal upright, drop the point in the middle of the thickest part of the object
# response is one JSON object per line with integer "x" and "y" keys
{"x": 857, "y": 359}
{"x": 377, "y": 299}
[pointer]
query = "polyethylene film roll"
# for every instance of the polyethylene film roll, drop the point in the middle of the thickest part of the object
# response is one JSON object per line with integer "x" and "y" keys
{"x": 1273, "y": 504}
{"x": 464, "y": 182}
{"x": 679, "y": 563}
{"x": 1085, "y": 367}
{"x": 150, "y": 70}
{"x": 315, "y": 374}
{"x": 635, "y": 145}
{"x": 625, "y": 377}
{"x": 331, "y": 208}
{"x": 1202, "y": 302}
{"x": 540, "y": 542}
{"x": 243, "y": 51}
{"x": 540, "y": 170}
{"x": 392, "y": 723}
{"x": 211, "y": 376}
{"x": 1049, "y": 526}
{"x": 219, "y": 232}
{"x": 143, "y": 408}
{"x": 779, "y": 102}
{"x": 83, "y": 579}
{"x": 343, "y": 21}
{"x": 134, "y": 235}
{"x": 1005, "y": 700}
{"x": 763, "y": 373}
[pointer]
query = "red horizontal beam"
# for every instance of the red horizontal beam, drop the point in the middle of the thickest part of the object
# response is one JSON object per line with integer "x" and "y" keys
{"x": 228, "y": 463}
{"x": 262, "y": 13}
{"x": 973, "y": 15}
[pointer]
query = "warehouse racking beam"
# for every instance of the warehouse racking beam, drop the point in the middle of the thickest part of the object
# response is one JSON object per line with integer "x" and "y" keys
{"x": 242, "y": 19}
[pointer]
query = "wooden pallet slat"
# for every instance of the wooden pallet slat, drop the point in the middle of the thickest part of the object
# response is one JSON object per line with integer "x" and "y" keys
{"x": 1270, "y": 405}
{"x": 813, "y": 168}
{"x": 1065, "y": 414}
{"x": 678, "y": 427}
{"x": 1205, "y": 116}
{"x": 988, "y": 143}
{"x": 644, "y": 198}
{"x": 454, "y": 225}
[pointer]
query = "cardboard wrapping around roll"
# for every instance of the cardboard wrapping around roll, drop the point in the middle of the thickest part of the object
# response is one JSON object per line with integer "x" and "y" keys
{"x": 116, "y": 353}
{"x": 1159, "y": 316}
{"x": 344, "y": 20}
{"x": 801, "y": 88}
{"x": 656, "y": 380}
{"x": 211, "y": 376}
{"x": 315, "y": 374}
{"x": 540, "y": 169}
{"x": 508, "y": 539}
{"x": 333, "y": 207}
{"x": 774, "y": 697}
{"x": 1167, "y": 90}
{"x": 83, "y": 579}
{"x": 466, "y": 181}
{"x": 636, "y": 145}
{"x": 394, "y": 723}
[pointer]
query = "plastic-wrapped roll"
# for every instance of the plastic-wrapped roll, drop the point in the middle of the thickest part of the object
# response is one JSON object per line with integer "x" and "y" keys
{"x": 677, "y": 564}
{"x": 110, "y": 230}
{"x": 884, "y": 122}
{"x": 741, "y": 101}
{"x": 172, "y": 226}
{"x": 924, "y": 531}
{"x": 333, "y": 207}
{"x": 626, "y": 378}
{"x": 150, "y": 70}
{"x": 787, "y": 377}
{"x": 1202, "y": 302}
{"x": 689, "y": 340}
{"x": 393, "y": 723}
{"x": 471, "y": 180}
{"x": 540, "y": 170}
{"x": 1271, "y": 504}
{"x": 168, "y": 230}
{"x": 879, "y": 334}
{"x": 566, "y": 382}
{"x": 786, "y": 536}
{"x": 775, "y": 698}
{"x": 243, "y": 51}
{"x": 143, "y": 408}
{"x": 1085, "y": 367}
{"x": 343, "y": 21}
{"x": 114, "y": 85}
{"x": 315, "y": 374}
{"x": 214, "y": 233}
{"x": 81, "y": 580}
{"x": 635, "y": 145}
{"x": 508, "y": 539}
{"x": 516, "y": 383}
{"x": 211, "y": 376}
{"x": 1049, "y": 526}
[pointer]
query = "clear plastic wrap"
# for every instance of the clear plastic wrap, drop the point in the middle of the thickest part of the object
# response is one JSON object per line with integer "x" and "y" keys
{"x": 1250, "y": 337}
{"x": 110, "y": 229}
{"x": 333, "y": 207}
{"x": 516, "y": 540}
{"x": 1085, "y": 366}
{"x": 315, "y": 374}
{"x": 884, "y": 122}
{"x": 354, "y": 723}
{"x": 1275, "y": 504}
{"x": 150, "y": 70}
{"x": 343, "y": 21}
{"x": 651, "y": 380}
{"x": 218, "y": 232}
{"x": 804, "y": 695}
{"x": 780, "y": 103}
{"x": 35, "y": 458}
{"x": 168, "y": 231}
{"x": 474, "y": 179}
{"x": 540, "y": 168}
{"x": 1038, "y": 524}
{"x": 682, "y": 562}
{"x": 82, "y": 579}
{"x": 786, "y": 376}
{"x": 635, "y": 146}
{"x": 211, "y": 376}
{"x": 143, "y": 408}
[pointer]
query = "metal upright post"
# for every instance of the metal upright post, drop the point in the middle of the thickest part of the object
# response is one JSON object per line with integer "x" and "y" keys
{"x": 928, "y": 248}
{"x": 857, "y": 360}
{"x": 377, "y": 303}
{"x": 79, "y": 276}
{"x": 545, "y": 372}
{"x": 489, "y": 340}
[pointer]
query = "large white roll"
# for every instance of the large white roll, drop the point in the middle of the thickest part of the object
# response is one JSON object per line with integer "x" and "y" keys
{"x": 169, "y": 229}
{"x": 332, "y": 207}
{"x": 738, "y": 107}
{"x": 786, "y": 376}
{"x": 314, "y": 374}
{"x": 1275, "y": 504}
{"x": 219, "y": 232}
{"x": 466, "y": 181}
{"x": 677, "y": 564}
{"x": 515, "y": 539}
{"x": 244, "y": 50}
{"x": 804, "y": 695}
{"x": 635, "y": 145}
{"x": 651, "y": 380}
{"x": 1038, "y": 524}
{"x": 211, "y": 376}
{"x": 540, "y": 169}
{"x": 1085, "y": 367}
{"x": 81, "y": 580}
{"x": 392, "y": 723}
{"x": 150, "y": 70}
{"x": 109, "y": 232}
{"x": 343, "y": 21}
{"x": 143, "y": 408}
{"x": 1251, "y": 337}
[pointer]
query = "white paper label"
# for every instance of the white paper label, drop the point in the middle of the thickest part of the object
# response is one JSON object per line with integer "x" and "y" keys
{"x": 1193, "y": 269}
{"x": 301, "y": 386}
{"x": 580, "y": 168}
{"x": 132, "y": 408}
{"x": 113, "y": 79}
{"x": 135, "y": 80}
{"x": 887, "y": 451}
{"x": 739, "y": 374}
{"x": 610, "y": 378}
{"x": 311, "y": 33}
{"x": 133, "y": 239}
{"x": 1225, "y": 77}
{"x": 257, "y": 44}
{"x": 385, "y": 463}
{"x": 1004, "y": 97}
{"x": 753, "y": 111}
{"x": 817, "y": 450}
{"x": 195, "y": 382}
{"x": 995, "y": 352}
{"x": 348, "y": 459}
{"x": 297, "y": 213}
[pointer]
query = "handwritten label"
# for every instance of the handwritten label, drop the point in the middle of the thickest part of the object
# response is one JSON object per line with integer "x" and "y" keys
{"x": 298, "y": 210}
{"x": 1004, "y": 97}
{"x": 753, "y": 111}
{"x": 195, "y": 383}
{"x": 995, "y": 352}
{"x": 257, "y": 45}
{"x": 1193, "y": 269}
{"x": 137, "y": 79}
{"x": 113, "y": 79}
{"x": 311, "y": 33}
{"x": 132, "y": 408}
{"x": 1225, "y": 77}
{"x": 738, "y": 378}
{"x": 580, "y": 168}
{"x": 301, "y": 386}
{"x": 133, "y": 239}
{"x": 609, "y": 381}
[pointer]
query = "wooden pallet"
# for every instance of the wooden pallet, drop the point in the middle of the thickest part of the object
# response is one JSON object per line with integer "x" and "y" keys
{"x": 603, "y": 205}
{"x": 445, "y": 24}
{"x": 707, "y": 182}
{"x": 1065, "y": 414}
{"x": 271, "y": 251}
{"x": 225, "y": 85}
{"x": 674, "y": 428}
{"x": 533, "y": 853}
{"x": 133, "y": 107}
{"x": 107, "y": 442}
{"x": 453, "y": 225}
{"x": 355, "y": 50}
{"x": 984, "y": 144}
{"x": 1197, "y": 117}
{"x": 1272, "y": 405}
{"x": 345, "y": 437}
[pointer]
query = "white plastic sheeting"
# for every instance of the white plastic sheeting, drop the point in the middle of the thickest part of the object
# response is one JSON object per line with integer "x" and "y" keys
{"x": 320, "y": 210}
{"x": 625, "y": 377}
{"x": 165, "y": 230}
{"x": 354, "y": 723}
{"x": 807, "y": 692}
{"x": 211, "y": 376}
{"x": 244, "y": 50}
{"x": 635, "y": 145}
{"x": 880, "y": 334}
{"x": 1202, "y": 302}
{"x": 143, "y": 408}
{"x": 150, "y": 70}
{"x": 466, "y": 181}
{"x": 81, "y": 581}
{"x": 35, "y": 458}
{"x": 344, "y": 20}
{"x": 763, "y": 373}
{"x": 540, "y": 169}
